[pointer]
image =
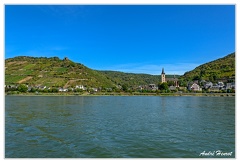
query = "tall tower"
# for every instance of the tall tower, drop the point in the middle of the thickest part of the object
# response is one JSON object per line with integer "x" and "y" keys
{"x": 163, "y": 76}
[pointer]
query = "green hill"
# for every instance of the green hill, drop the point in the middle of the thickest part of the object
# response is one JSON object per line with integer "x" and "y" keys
{"x": 55, "y": 72}
{"x": 220, "y": 69}
{"x": 52, "y": 72}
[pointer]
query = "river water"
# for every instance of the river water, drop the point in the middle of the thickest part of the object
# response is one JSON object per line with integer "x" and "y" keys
{"x": 119, "y": 127}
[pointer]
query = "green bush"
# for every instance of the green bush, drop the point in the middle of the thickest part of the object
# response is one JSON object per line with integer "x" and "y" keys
{"x": 22, "y": 88}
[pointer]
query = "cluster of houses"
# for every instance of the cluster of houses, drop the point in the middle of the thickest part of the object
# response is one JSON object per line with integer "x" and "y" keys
{"x": 192, "y": 86}
{"x": 216, "y": 87}
{"x": 195, "y": 87}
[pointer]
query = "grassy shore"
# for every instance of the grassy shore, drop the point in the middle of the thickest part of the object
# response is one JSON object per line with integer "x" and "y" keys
{"x": 124, "y": 94}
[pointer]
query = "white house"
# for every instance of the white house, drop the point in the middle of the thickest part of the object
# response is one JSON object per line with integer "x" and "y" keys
{"x": 95, "y": 89}
{"x": 81, "y": 87}
{"x": 194, "y": 87}
{"x": 62, "y": 90}
{"x": 221, "y": 84}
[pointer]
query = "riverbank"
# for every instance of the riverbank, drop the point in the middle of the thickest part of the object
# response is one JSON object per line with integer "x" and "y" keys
{"x": 123, "y": 94}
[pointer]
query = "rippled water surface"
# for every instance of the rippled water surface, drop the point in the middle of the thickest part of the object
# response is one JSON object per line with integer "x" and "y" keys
{"x": 116, "y": 127}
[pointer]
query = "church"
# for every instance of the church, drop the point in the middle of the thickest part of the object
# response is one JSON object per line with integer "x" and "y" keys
{"x": 164, "y": 79}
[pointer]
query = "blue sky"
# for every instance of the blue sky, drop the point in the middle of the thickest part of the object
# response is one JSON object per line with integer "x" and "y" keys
{"x": 128, "y": 38}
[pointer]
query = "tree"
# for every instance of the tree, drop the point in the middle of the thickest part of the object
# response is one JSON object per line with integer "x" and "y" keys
{"x": 213, "y": 76}
{"x": 163, "y": 86}
{"x": 33, "y": 90}
{"x": 182, "y": 83}
{"x": 196, "y": 77}
{"x": 170, "y": 83}
{"x": 22, "y": 88}
{"x": 78, "y": 90}
{"x": 54, "y": 90}
{"x": 124, "y": 87}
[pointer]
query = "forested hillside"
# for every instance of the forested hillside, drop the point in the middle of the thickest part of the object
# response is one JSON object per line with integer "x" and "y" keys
{"x": 220, "y": 69}
{"x": 132, "y": 79}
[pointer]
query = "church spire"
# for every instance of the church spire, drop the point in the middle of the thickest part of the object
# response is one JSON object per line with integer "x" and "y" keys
{"x": 163, "y": 79}
{"x": 163, "y": 71}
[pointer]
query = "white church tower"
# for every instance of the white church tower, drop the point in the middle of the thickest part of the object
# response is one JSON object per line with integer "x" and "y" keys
{"x": 163, "y": 78}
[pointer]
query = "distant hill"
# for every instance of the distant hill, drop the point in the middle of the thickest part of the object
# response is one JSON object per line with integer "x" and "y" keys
{"x": 55, "y": 72}
{"x": 132, "y": 79}
{"x": 220, "y": 69}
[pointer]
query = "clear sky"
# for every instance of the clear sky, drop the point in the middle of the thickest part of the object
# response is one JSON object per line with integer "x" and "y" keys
{"x": 128, "y": 38}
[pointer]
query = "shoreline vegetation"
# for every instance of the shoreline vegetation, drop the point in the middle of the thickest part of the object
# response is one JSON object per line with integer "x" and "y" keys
{"x": 124, "y": 94}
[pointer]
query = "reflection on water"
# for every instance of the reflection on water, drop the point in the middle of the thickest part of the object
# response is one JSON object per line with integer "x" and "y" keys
{"x": 141, "y": 126}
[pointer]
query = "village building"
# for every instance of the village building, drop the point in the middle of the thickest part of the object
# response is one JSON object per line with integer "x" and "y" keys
{"x": 40, "y": 87}
{"x": 194, "y": 87}
{"x": 215, "y": 88}
{"x": 208, "y": 85}
{"x": 172, "y": 88}
{"x": 62, "y": 89}
{"x": 81, "y": 87}
{"x": 221, "y": 84}
{"x": 95, "y": 89}
{"x": 153, "y": 87}
{"x": 230, "y": 86}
